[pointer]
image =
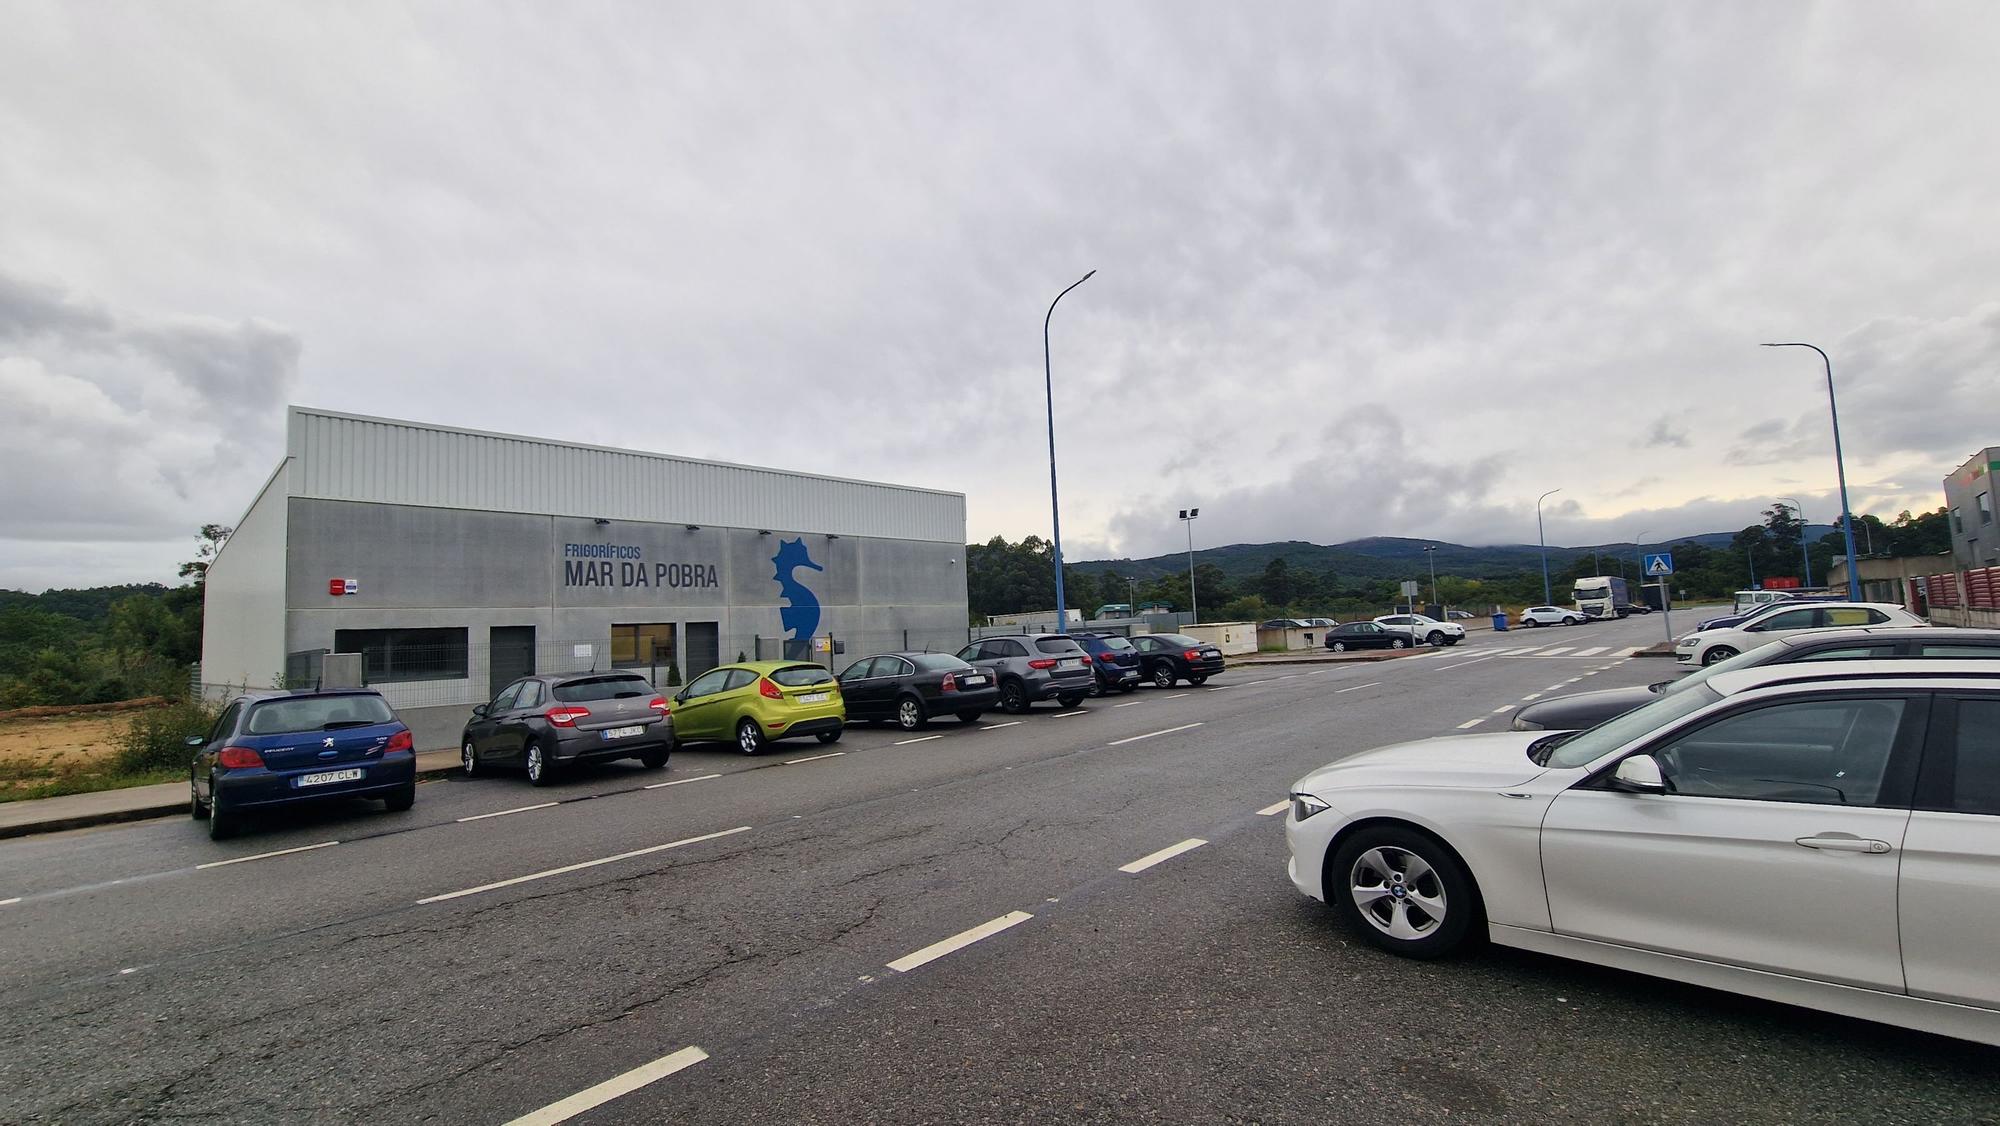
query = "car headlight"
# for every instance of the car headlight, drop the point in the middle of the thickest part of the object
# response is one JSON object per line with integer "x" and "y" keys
{"x": 1305, "y": 805}
{"x": 1527, "y": 725}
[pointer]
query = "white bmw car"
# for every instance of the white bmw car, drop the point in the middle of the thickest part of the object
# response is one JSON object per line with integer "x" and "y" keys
{"x": 1706, "y": 647}
{"x": 1823, "y": 835}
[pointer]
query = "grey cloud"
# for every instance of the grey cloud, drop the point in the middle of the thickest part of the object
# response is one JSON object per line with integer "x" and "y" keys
{"x": 1664, "y": 433}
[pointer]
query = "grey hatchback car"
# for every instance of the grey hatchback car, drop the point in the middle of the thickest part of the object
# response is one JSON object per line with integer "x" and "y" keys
{"x": 1034, "y": 667}
{"x": 545, "y": 722}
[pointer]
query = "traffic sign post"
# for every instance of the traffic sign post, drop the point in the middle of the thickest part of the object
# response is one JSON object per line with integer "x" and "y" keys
{"x": 1659, "y": 565}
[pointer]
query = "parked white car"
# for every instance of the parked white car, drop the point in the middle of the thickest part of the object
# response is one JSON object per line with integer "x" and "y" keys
{"x": 1425, "y": 629}
{"x": 1768, "y": 832}
{"x": 1705, "y": 647}
{"x": 1550, "y": 616}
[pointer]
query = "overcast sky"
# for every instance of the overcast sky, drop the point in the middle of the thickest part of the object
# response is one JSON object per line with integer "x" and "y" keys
{"x": 1363, "y": 269}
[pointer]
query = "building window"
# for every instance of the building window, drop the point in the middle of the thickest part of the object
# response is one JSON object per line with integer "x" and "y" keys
{"x": 642, "y": 646}
{"x": 1957, "y": 522}
{"x": 1985, "y": 509}
{"x": 389, "y": 655}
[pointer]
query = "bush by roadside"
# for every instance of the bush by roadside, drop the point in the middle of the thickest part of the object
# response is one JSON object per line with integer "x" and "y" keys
{"x": 156, "y": 739}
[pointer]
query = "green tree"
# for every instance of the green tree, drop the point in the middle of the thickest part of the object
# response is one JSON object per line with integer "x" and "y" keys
{"x": 1276, "y": 583}
{"x": 208, "y": 543}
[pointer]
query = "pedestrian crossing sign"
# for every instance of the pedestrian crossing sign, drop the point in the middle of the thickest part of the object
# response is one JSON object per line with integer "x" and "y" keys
{"x": 1659, "y": 565}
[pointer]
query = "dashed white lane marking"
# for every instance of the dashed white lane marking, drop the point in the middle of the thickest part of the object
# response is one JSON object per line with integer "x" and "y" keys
{"x": 1472, "y": 723}
{"x": 959, "y": 941}
{"x": 1288, "y": 676}
{"x": 590, "y": 1097}
{"x": 1358, "y": 687}
{"x": 1275, "y": 807}
{"x": 1162, "y": 856}
{"x": 265, "y": 855}
{"x": 813, "y": 758}
{"x": 899, "y": 743}
{"x": 1503, "y": 709}
{"x": 998, "y": 726}
{"x": 567, "y": 868}
{"x": 1066, "y": 715}
{"x": 1226, "y": 687}
{"x": 10, "y": 902}
{"x": 682, "y": 781}
{"x": 1572, "y": 680}
{"x": 505, "y": 812}
{"x": 1175, "y": 696}
{"x": 1150, "y": 734}
{"x": 1129, "y": 704}
{"x": 1532, "y": 696}
{"x": 1556, "y": 687}
{"x": 1593, "y": 650}
{"x": 1317, "y": 672}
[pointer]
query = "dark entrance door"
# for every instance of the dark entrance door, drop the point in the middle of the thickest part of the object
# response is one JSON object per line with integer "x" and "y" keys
{"x": 510, "y": 655}
{"x": 704, "y": 648}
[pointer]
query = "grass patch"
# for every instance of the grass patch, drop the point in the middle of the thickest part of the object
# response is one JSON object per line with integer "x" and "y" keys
{"x": 151, "y": 749}
{"x": 26, "y": 782}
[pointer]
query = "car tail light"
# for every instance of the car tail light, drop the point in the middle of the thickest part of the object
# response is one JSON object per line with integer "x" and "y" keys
{"x": 400, "y": 741}
{"x": 1192, "y": 655}
{"x": 769, "y": 690}
{"x": 1105, "y": 658}
{"x": 567, "y": 717}
{"x": 236, "y": 758}
{"x": 1042, "y": 663}
{"x": 660, "y": 705}
{"x": 950, "y": 683}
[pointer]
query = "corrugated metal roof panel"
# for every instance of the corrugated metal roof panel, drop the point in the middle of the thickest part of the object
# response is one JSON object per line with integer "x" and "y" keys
{"x": 389, "y": 461}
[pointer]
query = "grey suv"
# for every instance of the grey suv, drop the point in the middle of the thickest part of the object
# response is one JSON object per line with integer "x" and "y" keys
{"x": 1034, "y": 667}
{"x": 544, "y": 723}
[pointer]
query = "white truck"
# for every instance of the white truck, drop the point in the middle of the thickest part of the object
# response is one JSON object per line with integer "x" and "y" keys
{"x": 1602, "y": 596}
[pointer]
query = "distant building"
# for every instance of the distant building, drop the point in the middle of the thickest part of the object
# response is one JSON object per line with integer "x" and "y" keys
{"x": 1968, "y": 492}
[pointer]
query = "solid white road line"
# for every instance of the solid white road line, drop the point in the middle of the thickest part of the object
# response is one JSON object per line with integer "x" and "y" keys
{"x": 265, "y": 855}
{"x": 10, "y": 902}
{"x": 567, "y": 868}
{"x": 901, "y": 743}
{"x": 1066, "y": 715}
{"x": 1150, "y": 734}
{"x": 683, "y": 781}
{"x": 829, "y": 754}
{"x": 1128, "y": 704}
{"x": 1277, "y": 807}
{"x": 505, "y": 812}
{"x": 1472, "y": 723}
{"x": 1358, "y": 687}
{"x": 959, "y": 941}
{"x": 998, "y": 726}
{"x": 1162, "y": 856}
{"x": 1593, "y": 651}
{"x": 589, "y": 1097}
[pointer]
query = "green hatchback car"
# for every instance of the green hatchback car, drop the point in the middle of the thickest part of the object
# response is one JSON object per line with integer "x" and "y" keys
{"x": 754, "y": 703}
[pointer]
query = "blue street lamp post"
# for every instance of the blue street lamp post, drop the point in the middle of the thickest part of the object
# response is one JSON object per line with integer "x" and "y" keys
{"x": 1840, "y": 467}
{"x": 1547, "y": 595}
{"x": 1055, "y": 503}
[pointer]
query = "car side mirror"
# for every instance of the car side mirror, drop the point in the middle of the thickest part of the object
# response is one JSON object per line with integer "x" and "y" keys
{"x": 194, "y": 740}
{"x": 681, "y": 696}
{"x": 479, "y": 711}
{"x": 1640, "y": 774}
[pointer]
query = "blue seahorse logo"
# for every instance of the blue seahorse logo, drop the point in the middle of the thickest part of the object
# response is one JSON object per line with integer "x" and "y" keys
{"x": 800, "y": 614}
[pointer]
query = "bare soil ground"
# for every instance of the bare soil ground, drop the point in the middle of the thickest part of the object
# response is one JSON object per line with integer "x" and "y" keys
{"x": 35, "y": 752}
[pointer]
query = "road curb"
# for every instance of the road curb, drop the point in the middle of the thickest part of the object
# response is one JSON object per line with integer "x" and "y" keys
{"x": 64, "y": 823}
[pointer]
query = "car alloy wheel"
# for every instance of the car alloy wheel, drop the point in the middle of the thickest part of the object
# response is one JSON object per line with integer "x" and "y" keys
{"x": 1013, "y": 698}
{"x": 468, "y": 759}
{"x": 197, "y": 809}
{"x": 1572, "y": 621}
{"x": 909, "y": 714}
{"x": 830, "y": 736}
{"x": 969, "y": 717}
{"x": 654, "y": 760}
{"x": 538, "y": 766}
{"x": 1398, "y": 643}
{"x": 1397, "y": 892}
{"x": 1163, "y": 675}
{"x": 1436, "y": 639}
{"x": 1531, "y": 623}
{"x": 221, "y": 821}
{"x": 1338, "y": 647}
{"x": 749, "y": 737}
{"x": 1719, "y": 653}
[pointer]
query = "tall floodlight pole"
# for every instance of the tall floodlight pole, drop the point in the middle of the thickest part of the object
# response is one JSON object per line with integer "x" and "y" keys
{"x": 1431, "y": 554}
{"x": 1803, "y": 553}
{"x": 1055, "y": 503}
{"x": 1543, "y": 537}
{"x": 1840, "y": 467}
{"x": 1638, "y": 555}
{"x": 1188, "y": 516}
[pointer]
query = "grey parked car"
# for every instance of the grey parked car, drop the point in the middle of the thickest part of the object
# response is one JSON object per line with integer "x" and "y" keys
{"x": 546, "y": 722}
{"x": 1034, "y": 667}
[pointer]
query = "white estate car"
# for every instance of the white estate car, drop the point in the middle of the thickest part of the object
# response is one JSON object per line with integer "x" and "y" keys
{"x": 1550, "y": 616}
{"x": 1822, "y": 835}
{"x": 1424, "y": 628}
{"x": 1705, "y": 647}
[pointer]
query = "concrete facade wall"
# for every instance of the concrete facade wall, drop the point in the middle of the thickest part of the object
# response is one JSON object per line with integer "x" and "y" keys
{"x": 1230, "y": 637}
{"x": 243, "y": 612}
{"x": 1975, "y": 534}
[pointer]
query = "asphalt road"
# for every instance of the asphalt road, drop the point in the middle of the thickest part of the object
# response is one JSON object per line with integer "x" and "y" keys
{"x": 383, "y": 978}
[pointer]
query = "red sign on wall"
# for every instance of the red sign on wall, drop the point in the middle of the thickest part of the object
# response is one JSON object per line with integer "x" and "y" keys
{"x": 338, "y": 587}
{"x": 1782, "y": 582}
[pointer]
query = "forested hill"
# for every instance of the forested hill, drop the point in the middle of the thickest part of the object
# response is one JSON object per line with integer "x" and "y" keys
{"x": 1377, "y": 557}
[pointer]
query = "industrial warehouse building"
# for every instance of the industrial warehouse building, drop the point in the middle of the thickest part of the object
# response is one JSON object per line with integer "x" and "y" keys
{"x": 454, "y": 561}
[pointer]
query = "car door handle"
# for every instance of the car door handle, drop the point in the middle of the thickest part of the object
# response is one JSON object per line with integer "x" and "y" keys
{"x": 1845, "y": 844}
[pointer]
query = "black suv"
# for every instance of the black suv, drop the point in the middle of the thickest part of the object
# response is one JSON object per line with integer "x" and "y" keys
{"x": 1113, "y": 659}
{"x": 1167, "y": 657}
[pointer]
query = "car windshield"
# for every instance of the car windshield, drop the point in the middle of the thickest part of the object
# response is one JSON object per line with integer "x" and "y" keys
{"x": 317, "y": 713}
{"x": 801, "y": 676}
{"x": 1056, "y": 645}
{"x": 938, "y": 662}
{"x": 1179, "y": 639}
{"x": 602, "y": 688}
{"x": 1593, "y": 592}
{"x": 1568, "y": 750}
{"x": 1116, "y": 643}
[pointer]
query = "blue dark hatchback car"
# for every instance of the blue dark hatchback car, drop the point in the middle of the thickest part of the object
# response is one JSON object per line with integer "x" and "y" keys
{"x": 271, "y": 749}
{"x": 1113, "y": 660}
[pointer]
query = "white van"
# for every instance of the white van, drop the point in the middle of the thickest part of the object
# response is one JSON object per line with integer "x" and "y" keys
{"x": 1748, "y": 600}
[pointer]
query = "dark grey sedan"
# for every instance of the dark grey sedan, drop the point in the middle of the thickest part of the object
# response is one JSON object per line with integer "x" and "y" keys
{"x": 1588, "y": 709}
{"x": 547, "y": 722}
